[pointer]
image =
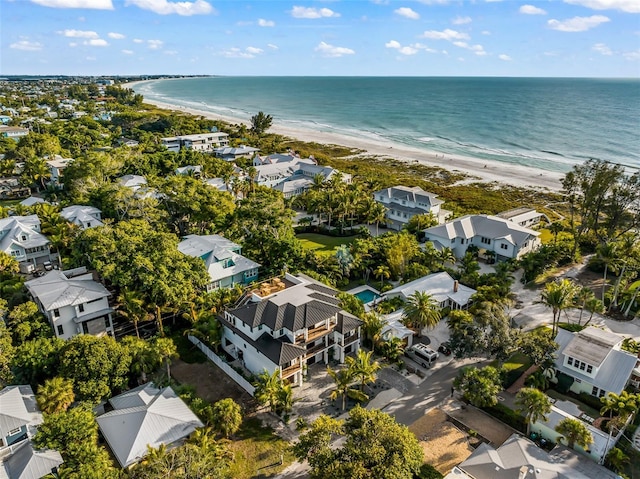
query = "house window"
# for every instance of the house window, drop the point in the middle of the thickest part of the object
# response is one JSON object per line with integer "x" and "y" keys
{"x": 15, "y": 431}
{"x": 56, "y": 313}
{"x": 589, "y": 369}
{"x": 503, "y": 246}
{"x": 81, "y": 308}
{"x": 578, "y": 380}
{"x": 60, "y": 330}
{"x": 594, "y": 391}
{"x": 570, "y": 361}
{"x": 24, "y": 237}
{"x": 485, "y": 240}
{"x": 453, "y": 240}
{"x": 582, "y": 366}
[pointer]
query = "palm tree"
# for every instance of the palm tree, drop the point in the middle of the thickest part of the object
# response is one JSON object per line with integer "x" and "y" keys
{"x": 267, "y": 388}
{"x": 616, "y": 459}
{"x": 584, "y": 295}
{"x": 377, "y": 214}
{"x": 392, "y": 349}
{"x": 558, "y": 296}
{"x": 344, "y": 380}
{"x": 421, "y": 311}
{"x": 372, "y": 327}
{"x": 622, "y": 404}
{"x": 363, "y": 368}
{"x": 284, "y": 400}
{"x": 167, "y": 350}
{"x": 55, "y": 395}
{"x": 131, "y": 306}
{"x": 534, "y": 404}
{"x": 36, "y": 170}
{"x": 607, "y": 253}
{"x": 445, "y": 255}
{"x": 575, "y": 432}
{"x": 594, "y": 305}
{"x": 382, "y": 273}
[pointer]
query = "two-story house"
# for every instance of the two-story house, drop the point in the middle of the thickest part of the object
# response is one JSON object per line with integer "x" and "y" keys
{"x": 489, "y": 233}
{"x": 73, "y": 302}
{"x": 594, "y": 360}
{"x": 82, "y": 216}
{"x": 56, "y": 166}
{"x": 403, "y": 203}
{"x": 524, "y": 216}
{"x": 21, "y": 238}
{"x": 206, "y": 142}
{"x": 287, "y": 324}
{"x": 229, "y": 153}
{"x": 223, "y": 259}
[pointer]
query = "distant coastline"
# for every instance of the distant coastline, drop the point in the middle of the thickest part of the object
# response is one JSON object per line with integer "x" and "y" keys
{"x": 481, "y": 170}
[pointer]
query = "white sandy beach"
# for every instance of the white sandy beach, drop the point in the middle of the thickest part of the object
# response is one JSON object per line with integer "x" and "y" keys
{"x": 484, "y": 170}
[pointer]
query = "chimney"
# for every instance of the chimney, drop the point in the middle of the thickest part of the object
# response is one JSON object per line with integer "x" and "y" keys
{"x": 455, "y": 286}
{"x": 523, "y": 472}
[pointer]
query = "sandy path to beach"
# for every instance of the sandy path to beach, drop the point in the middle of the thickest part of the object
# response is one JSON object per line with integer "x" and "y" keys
{"x": 484, "y": 170}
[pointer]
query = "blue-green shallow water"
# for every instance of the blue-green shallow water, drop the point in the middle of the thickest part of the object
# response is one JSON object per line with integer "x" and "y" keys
{"x": 546, "y": 123}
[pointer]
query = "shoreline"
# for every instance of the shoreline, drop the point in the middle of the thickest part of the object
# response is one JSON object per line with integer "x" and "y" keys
{"x": 479, "y": 170}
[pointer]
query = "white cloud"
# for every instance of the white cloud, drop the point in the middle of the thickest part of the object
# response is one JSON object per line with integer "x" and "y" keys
{"x": 309, "y": 12}
{"x": 334, "y": 52}
{"x": 94, "y": 4}
{"x": 602, "y": 49}
{"x": 532, "y": 10}
{"x": 79, "y": 33}
{"x": 96, "y": 42}
{"x": 477, "y": 49}
{"x": 254, "y": 50}
{"x": 504, "y": 57}
{"x": 26, "y": 45}
{"x": 446, "y": 34}
{"x": 577, "y": 24}
{"x": 266, "y": 23}
{"x": 138, "y": 40}
{"x": 635, "y": 55}
{"x": 127, "y": 52}
{"x": 407, "y": 13}
{"x": 249, "y": 52}
{"x": 272, "y": 46}
{"x": 461, "y": 20}
{"x": 392, "y": 44}
{"x": 164, "y": 7}
{"x": 408, "y": 49}
{"x": 115, "y": 36}
{"x": 434, "y": 2}
{"x": 155, "y": 44}
{"x": 629, "y": 6}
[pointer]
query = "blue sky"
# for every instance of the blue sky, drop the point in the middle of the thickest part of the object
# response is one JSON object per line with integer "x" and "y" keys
{"x": 583, "y": 38}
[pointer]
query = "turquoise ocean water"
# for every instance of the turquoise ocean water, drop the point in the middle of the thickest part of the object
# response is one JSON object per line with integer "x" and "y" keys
{"x": 545, "y": 123}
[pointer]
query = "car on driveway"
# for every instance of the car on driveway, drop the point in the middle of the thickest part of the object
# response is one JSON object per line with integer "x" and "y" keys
{"x": 444, "y": 349}
{"x": 422, "y": 354}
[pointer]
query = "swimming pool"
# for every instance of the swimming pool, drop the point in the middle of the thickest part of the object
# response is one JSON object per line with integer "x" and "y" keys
{"x": 366, "y": 296}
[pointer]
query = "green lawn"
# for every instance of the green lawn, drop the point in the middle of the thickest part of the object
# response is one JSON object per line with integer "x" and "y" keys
{"x": 257, "y": 451}
{"x": 323, "y": 244}
{"x": 517, "y": 361}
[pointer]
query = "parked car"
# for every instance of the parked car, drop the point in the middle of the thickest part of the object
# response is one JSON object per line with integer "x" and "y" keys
{"x": 422, "y": 354}
{"x": 47, "y": 266}
{"x": 444, "y": 349}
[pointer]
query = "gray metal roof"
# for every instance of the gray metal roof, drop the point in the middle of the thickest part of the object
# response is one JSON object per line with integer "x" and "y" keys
{"x": 483, "y": 225}
{"x": 165, "y": 419}
{"x": 592, "y": 345}
{"x": 79, "y": 214}
{"x": 27, "y": 463}
{"x": 519, "y": 455}
{"x": 347, "y": 322}
{"x": 17, "y": 408}
{"x": 13, "y": 228}
{"x": 412, "y": 194}
{"x": 54, "y": 290}
{"x": 613, "y": 372}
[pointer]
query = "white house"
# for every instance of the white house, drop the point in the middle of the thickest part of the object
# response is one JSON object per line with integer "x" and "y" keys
{"x": 229, "y": 153}
{"x": 524, "y": 216}
{"x": 73, "y": 302}
{"x": 223, "y": 259}
{"x": 135, "y": 182}
{"x": 489, "y": 233}
{"x": 13, "y": 132}
{"x": 19, "y": 415}
{"x": 287, "y": 324}
{"x": 26, "y": 462}
{"x": 206, "y": 142}
{"x": 394, "y": 328}
{"x": 595, "y": 361}
{"x": 145, "y": 416}
{"x": 403, "y": 203}
{"x": 445, "y": 290}
{"x": 20, "y": 237}
{"x": 193, "y": 170}
{"x": 56, "y": 166}
{"x": 82, "y": 216}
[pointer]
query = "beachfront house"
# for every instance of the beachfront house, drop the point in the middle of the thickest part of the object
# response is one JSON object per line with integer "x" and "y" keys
{"x": 73, "y": 303}
{"x": 527, "y": 217}
{"x": 20, "y": 238}
{"x": 403, "y": 203}
{"x": 593, "y": 361}
{"x": 445, "y": 290}
{"x": 205, "y": 142}
{"x": 223, "y": 260}
{"x": 143, "y": 417}
{"x": 520, "y": 458}
{"x": 229, "y": 153}
{"x": 83, "y": 216}
{"x": 504, "y": 238}
{"x": 287, "y": 324}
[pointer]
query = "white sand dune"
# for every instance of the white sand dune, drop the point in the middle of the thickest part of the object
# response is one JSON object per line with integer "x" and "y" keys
{"x": 484, "y": 170}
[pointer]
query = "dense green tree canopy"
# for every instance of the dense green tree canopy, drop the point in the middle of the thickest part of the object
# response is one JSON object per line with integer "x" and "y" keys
{"x": 479, "y": 386}
{"x": 374, "y": 447}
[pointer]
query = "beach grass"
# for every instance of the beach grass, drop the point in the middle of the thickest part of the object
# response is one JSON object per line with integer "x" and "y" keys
{"x": 323, "y": 244}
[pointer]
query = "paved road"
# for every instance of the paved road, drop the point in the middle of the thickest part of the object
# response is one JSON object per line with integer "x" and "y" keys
{"x": 419, "y": 399}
